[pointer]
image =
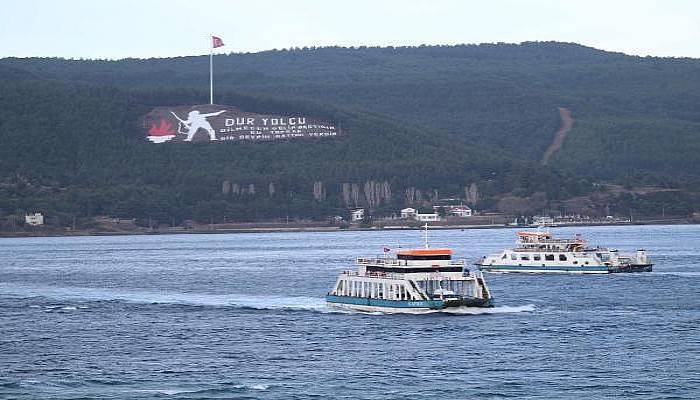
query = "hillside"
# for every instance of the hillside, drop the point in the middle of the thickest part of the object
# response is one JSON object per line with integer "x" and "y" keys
{"x": 78, "y": 150}
{"x": 430, "y": 119}
{"x": 501, "y": 95}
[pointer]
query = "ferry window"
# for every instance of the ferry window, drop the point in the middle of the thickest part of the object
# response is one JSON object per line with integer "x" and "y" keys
{"x": 562, "y": 257}
{"x": 525, "y": 258}
{"x": 549, "y": 257}
{"x": 536, "y": 257}
{"x": 513, "y": 257}
{"x": 575, "y": 262}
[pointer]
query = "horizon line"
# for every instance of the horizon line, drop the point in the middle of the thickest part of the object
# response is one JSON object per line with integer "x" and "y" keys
{"x": 355, "y": 47}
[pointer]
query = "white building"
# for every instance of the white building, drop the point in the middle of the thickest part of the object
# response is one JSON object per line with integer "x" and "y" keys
{"x": 35, "y": 219}
{"x": 460, "y": 211}
{"x": 408, "y": 213}
{"x": 428, "y": 217}
{"x": 357, "y": 215}
{"x": 538, "y": 220}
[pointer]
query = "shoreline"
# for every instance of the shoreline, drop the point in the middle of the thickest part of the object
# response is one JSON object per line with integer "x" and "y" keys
{"x": 320, "y": 228}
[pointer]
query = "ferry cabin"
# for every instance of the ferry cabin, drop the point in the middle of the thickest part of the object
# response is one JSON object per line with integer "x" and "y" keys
{"x": 540, "y": 252}
{"x": 422, "y": 278}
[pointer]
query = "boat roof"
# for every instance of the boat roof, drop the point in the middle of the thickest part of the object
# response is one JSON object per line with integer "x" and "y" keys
{"x": 425, "y": 252}
{"x": 533, "y": 234}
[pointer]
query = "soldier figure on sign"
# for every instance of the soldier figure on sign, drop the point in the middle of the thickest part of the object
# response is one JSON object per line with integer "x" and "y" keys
{"x": 196, "y": 121}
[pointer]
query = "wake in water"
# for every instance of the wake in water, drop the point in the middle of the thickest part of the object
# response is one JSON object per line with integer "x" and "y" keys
{"x": 682, "y": 274}
{"x": 300, "y": 303}
{"x": 458, "y": 311}
{"x": 81, "y": 295}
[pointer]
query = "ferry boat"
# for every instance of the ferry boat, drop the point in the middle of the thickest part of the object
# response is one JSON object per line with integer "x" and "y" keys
{"x": 414, "y": 280}
{"x": 541, "y": 252}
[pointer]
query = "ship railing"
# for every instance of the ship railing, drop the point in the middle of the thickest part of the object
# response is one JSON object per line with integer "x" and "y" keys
{"x": 378, "y": 261}
{"x": 398, "y": 275}
{"x": 554, "y": 241}
{"x": 396, "y": 262}
{"x": 376, "y": 274}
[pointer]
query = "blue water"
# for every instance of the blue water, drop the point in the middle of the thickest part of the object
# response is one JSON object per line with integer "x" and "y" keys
{"x": 243, "y": 316}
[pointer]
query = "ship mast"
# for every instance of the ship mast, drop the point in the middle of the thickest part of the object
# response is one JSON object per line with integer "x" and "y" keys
{"x": 425, "y": 235}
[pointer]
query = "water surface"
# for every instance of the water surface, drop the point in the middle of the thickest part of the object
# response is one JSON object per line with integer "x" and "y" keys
{"x": 243, "y": 316}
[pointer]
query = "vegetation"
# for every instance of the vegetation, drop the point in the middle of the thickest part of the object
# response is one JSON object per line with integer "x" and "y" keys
{"x": 422, "y": 123}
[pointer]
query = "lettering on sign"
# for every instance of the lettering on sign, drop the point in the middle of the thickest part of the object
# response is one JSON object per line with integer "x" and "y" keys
{"x": 214, "y": 123}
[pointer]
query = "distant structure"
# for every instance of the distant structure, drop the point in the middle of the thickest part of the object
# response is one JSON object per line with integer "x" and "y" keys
{"x": 36, "y": 219}
{"x": 542, "y": 220}
{"x": 357, "y": 215}
{"x": 412, "y": 213}
{"x": 459, "y": 211}
{"x": 408, "y": 213}
{"x": 428, "y": 217}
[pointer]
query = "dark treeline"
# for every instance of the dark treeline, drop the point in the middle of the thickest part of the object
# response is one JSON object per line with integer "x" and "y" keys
{"x": 418, "y": 119}
{"x": 78, "y": 150}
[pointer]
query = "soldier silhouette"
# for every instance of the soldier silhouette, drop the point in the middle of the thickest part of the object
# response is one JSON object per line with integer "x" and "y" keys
{"x": 196, "y": 121}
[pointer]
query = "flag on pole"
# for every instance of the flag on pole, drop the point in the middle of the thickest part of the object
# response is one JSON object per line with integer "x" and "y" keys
{"x": 386, "y": 249}
{"x": 216, "y": 42}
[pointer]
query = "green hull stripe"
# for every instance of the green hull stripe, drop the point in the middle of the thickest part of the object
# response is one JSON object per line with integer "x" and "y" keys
{"x": 363, "y": 301}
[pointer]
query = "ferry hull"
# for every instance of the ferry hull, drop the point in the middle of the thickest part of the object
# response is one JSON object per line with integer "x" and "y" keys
{"x": 573, "y": 269}
{"x": 371, "y": 305}
{"x": 632, "y": 268}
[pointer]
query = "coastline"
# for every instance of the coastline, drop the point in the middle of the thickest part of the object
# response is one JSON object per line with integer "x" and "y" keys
{"x": 306, "y": 227}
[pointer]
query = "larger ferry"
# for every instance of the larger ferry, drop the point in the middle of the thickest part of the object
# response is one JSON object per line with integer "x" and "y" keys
{"x": 414, "y": 280}
{"x": 540, "y": 252}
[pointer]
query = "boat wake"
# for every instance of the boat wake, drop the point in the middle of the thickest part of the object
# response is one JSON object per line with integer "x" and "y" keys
{"x": 74, "y": 299}
{"x": 460, "y": 311}
{"x": 493, "y": 310}
{"x": 682, "y": 274}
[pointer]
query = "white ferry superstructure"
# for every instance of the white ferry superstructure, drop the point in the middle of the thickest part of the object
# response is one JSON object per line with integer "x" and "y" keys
{"x": 414, "y": 280}
{"x": 540, "y": 252}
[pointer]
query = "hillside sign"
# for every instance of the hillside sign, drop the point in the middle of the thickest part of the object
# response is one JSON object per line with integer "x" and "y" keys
{"x": 213, "y": 122}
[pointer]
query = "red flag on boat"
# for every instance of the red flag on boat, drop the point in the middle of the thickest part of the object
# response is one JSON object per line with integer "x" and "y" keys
{"x": 216, "y": 42}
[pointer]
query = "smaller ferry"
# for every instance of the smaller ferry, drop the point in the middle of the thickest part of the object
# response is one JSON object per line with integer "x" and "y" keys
{"x": 540, "y": 252}
{"x": 414, "y": 280}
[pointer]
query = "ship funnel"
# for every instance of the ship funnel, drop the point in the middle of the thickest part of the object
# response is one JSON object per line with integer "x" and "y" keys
{"x": 642, "y": 257}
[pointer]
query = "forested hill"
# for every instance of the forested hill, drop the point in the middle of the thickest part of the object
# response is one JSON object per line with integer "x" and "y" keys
{"x": 626, "y": 108}
{"x": 78, "y": 150}
{"x": 426, "y": 118}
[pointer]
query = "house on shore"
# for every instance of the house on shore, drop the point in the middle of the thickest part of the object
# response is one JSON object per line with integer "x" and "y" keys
{"x": 36, "y": 219}
{"x": 408, "y": 213}
{"x": 357, "y": 215}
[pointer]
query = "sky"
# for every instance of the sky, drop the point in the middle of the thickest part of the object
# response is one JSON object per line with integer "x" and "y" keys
{"x": 108, "y": 29}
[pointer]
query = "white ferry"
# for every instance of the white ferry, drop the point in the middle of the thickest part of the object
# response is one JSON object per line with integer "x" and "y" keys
{"x": 540, "y": 252}
{"x": 413, "y": 280}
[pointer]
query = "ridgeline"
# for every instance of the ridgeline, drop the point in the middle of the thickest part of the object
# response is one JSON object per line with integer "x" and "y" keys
{"x": 422, "y": 123}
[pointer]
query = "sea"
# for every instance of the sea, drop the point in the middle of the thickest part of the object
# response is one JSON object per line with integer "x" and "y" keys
{"x": 243, "y": 316}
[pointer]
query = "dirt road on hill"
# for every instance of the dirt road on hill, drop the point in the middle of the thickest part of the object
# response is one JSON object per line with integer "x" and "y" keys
{"x": 566, "y": 123}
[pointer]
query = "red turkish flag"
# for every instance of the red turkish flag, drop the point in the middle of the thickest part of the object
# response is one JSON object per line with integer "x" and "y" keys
{"x": 216, "y": 42}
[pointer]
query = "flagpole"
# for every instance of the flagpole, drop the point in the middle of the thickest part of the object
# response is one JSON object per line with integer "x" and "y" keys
{"x": 211, "y": 70}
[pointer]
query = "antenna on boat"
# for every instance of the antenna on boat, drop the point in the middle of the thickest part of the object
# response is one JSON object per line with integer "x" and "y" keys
{"x": 425, "y": 235}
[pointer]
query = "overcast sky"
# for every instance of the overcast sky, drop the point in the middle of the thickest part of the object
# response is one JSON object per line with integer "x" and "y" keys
{"x": 160, "y": 28}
